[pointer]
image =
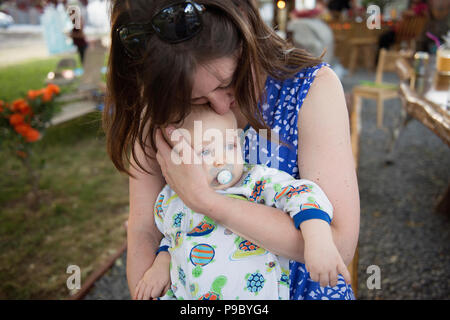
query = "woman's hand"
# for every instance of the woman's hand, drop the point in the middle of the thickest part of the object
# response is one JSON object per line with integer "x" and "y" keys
{"x": 183, "y": 171}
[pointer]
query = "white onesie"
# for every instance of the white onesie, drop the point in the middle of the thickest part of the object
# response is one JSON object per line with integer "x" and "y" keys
{"x": 209, "y": 262}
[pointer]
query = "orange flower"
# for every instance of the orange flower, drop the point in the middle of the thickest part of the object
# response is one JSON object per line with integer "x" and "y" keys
{"x": 32, "y": 135}
{"x": 33, "y": 94}
{"x": 16, "y": 119}
{"x": 25, "y": 109}
{"x": 53, "y": 88}
{"x": 47, "y": 96}
{"x": 16, "y": 104}
{"x": 22, "y": 128}
{"x": 2, "y": 104}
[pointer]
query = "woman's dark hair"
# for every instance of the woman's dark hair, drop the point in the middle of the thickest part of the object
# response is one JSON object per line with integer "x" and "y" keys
{"x": 155, "y": 91}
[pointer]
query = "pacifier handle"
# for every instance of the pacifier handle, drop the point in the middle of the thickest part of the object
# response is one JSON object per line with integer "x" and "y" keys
{"x": 224, "y": 177}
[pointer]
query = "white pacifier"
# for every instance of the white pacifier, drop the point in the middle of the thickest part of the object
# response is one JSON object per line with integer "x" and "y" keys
{"x": 224, "y": 177}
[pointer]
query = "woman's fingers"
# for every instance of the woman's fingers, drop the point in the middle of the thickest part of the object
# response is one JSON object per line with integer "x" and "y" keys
{"x": 342, "y": 269}
{"x": 163, "y": 147}
{"x": 324, "y": 280}
{"x": 333, "y": 277}
{"x": 166, "y": 288}
{"x": 179, "y": 153}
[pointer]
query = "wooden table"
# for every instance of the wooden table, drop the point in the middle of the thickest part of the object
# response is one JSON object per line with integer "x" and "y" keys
{"x": 428, "y": 101}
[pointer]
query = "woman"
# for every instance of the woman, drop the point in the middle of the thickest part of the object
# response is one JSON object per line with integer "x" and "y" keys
{"x": 228, "y": 59}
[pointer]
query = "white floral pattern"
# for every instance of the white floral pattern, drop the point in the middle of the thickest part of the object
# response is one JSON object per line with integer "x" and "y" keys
{"x": 280, "y": 112}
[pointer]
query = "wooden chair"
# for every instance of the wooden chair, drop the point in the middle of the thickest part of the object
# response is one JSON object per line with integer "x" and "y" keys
{"x": 361, "y": 42}
{"x": 409, "y": 31}
{"x": 378, "y": 90}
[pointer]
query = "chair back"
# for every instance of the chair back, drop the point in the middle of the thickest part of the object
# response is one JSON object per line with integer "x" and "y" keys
{"x": 409, "y": 30}
{"x": 380, "y": 66}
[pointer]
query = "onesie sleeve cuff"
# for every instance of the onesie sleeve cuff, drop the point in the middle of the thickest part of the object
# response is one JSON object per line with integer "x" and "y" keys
{"x": 162, "y": 248}
{"x": 309, "y": 214}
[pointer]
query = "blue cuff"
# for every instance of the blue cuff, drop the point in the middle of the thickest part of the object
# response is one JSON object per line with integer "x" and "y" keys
{"x": 309, "y": 214}
{"x": 162, "y": 248}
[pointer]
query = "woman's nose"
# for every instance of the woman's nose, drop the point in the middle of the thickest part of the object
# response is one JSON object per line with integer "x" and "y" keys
{"x": 221, "y": 101}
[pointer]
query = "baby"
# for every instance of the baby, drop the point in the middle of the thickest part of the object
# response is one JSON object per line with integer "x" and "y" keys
{"x": 208, "y": 261}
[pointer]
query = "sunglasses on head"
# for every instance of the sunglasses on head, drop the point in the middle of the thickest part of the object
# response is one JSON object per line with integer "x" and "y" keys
{"x": 173, "y": 24}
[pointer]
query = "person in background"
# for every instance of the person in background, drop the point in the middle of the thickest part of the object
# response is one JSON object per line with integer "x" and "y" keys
{"x": 336, "y": 7}
{"x": 416, "y": 8}
{"x": 309, "y": 32}
{"x": 79, "y": 40}
{"x": 438, "y": 24}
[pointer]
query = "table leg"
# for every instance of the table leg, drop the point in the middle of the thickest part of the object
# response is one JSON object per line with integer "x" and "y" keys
{"x": 403, "y": 121}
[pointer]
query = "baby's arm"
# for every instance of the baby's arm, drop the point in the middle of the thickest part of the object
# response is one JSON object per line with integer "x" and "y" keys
{"x": 156, "y": 280}
{"x": 312, "y": 213}
{"x": 322, "y": 259}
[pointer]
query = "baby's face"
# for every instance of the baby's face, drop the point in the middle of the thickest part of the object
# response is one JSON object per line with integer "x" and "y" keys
{"x": 215, "y": 140}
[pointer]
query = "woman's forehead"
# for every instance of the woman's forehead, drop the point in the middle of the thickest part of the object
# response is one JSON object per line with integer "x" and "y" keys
{"x": 209, "y": 76}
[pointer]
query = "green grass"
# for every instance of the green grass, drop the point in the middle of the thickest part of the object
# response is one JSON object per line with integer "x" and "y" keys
{"x": 84, "y": 201}
{"x": 16, "y": 80}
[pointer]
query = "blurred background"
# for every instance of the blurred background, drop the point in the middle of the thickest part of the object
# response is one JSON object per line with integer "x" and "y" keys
{"x": 62, "y": 202}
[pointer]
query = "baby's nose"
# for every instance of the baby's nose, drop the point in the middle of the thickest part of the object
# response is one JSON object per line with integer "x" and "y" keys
{"x": 218, "y": 162}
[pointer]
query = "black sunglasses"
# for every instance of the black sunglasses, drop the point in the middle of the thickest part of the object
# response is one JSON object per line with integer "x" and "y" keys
{"x": 173, "y": 24}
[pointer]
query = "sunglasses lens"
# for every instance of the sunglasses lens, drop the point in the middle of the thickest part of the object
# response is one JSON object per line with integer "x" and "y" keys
{"x": 133, "y": 38}
{"x": 177, "y": 23}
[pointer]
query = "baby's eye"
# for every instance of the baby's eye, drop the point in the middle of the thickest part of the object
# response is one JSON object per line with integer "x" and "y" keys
{"x": 205, "y": 153}
{"x": 231, "y": 146}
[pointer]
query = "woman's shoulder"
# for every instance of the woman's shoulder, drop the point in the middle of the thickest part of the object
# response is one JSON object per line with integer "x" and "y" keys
{"x": 325, "y": 99}
{"x": 300, "y": 76}
{"x": 299, "y": 83}
{"x": 325, "y": 76}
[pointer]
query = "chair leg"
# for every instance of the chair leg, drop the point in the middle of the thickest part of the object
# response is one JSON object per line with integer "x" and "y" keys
{"x": 403, "y": 121}
{"x": 380, "y": 110}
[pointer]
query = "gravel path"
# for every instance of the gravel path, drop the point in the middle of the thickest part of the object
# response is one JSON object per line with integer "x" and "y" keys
{"x": 399, "y": 232}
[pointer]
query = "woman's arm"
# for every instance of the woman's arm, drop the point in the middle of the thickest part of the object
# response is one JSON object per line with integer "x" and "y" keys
{"x": 143, "y": 237}
{"x": 265, "y": 226}
{"x": 326, "y": 158}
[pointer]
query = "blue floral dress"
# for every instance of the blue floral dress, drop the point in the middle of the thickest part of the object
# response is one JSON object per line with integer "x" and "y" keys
{"x": 280, "y": 112}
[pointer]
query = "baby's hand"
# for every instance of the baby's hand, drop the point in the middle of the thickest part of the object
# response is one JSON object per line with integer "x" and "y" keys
{"x": 322, "y": 259}
{"x": 156, "y": 280}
